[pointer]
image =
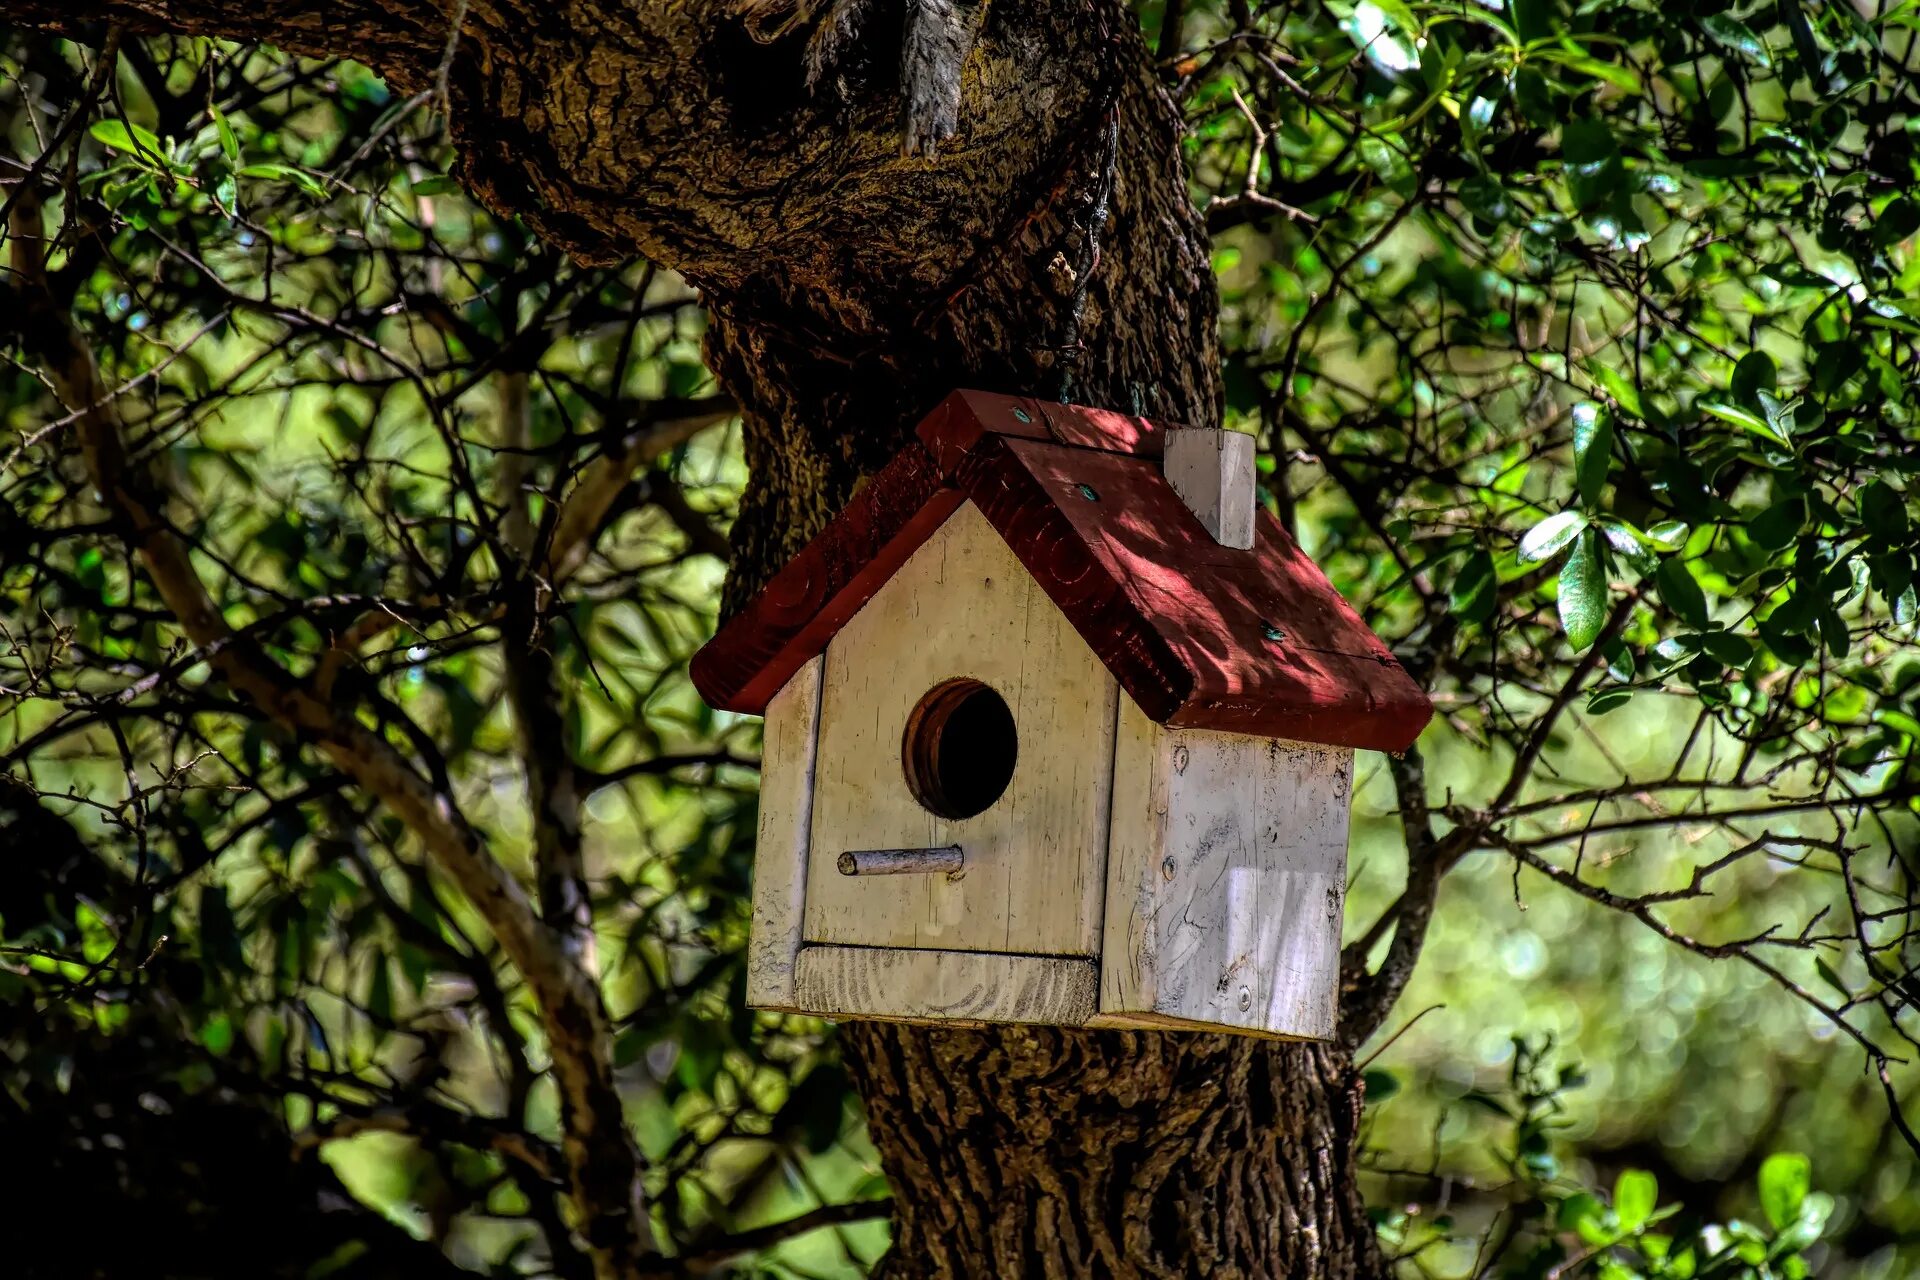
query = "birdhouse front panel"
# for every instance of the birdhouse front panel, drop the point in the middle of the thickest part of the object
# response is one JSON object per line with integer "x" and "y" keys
{"x": 1056, "y": 733}
{"x": 960, "y": 710}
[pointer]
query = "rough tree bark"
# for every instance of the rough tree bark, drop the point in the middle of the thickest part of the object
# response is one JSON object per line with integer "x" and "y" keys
{"x": 851, "y": 286}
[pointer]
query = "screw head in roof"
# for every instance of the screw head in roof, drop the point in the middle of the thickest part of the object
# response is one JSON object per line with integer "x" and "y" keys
{"x": 1088, "y": 492}
{"x": 1021, "y": 415}
{"x": 1272, "y": 632}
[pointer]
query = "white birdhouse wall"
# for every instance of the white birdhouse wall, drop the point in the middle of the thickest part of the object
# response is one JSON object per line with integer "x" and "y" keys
{"x": 1033, "y": 877}
{"x": 1226, "y": 884}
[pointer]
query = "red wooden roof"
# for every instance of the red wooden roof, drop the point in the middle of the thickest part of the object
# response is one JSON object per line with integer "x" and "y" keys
{"x": 1200, "y": 635}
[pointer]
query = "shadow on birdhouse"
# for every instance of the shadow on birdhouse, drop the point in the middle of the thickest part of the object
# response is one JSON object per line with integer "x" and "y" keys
{"x": 1059, "y": 729}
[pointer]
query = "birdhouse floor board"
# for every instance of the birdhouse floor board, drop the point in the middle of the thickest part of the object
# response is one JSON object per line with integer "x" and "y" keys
{"x": 786, "y": 816}
{"x": 945, "y": 986}
{"x": 1161, "y": 1022}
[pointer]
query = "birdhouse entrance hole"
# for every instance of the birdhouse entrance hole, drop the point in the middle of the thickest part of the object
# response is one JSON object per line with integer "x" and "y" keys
{"x": 959, "y": 748}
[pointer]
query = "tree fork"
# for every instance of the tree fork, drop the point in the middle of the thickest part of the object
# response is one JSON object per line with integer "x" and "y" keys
{"x": 851, "y": 287}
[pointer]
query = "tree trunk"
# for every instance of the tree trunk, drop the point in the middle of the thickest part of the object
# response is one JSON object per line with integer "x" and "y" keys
{"x": 1050, "y": 1153}
{"x": 851, "y": 287}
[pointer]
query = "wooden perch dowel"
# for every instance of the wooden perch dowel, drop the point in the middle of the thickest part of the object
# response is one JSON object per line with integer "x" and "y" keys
{"x": 945, "y": 860}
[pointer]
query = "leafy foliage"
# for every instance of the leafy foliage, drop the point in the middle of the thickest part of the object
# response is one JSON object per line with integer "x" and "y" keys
{"x": 1581, "y": 338}
{"x": 1550, "y": 1226}
{"x": 1580, "y": 344}
{"x": 399, "y": 428}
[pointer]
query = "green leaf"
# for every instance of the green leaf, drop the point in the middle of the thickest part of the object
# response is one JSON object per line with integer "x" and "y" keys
{"x": 1592, "y": 449}
{"x": 1784, "y": 644}
{"x": 1551, "y": 536}
{"x": 1775, "y": 528}
{"x": 1474, "y": 591}
{"x": 1606, "y": 700}
{"x": 1737, "y": 36}
{"x": 96, "y": 937}
{"x": 1806, "y": 1227}
{"x": 1899, "y": 721}
{"x": 229, "y": 141}
{"x": 1785, "y": 1177}
{"x": 438, "y": 184}
{"x": 1387, "y": 31}
{"x": 1616, "y": 385}
{"x": 1681, "y": 593}
{"x": 1627, "y": 544}
{"x": 1668, "y": 535}
{"x": 124, "y": 135}
{"x": 1583, "y": 592}
{"x": 1380, "y": 1085}
{"x": 1834, "y": 633}
{"x": 217, "y": 1035}
{"x": 1882, "y": 511}
{"x": 1622, "y": 78}
{"x": 380, "y": 993}
{"x": 1635, "y": 1195}
{"x": 1579, "y": 1211}
{"x": 1755, "y": 373}
{"x": 1735, "y": 651}
{"x": 286, "y": 173}
{"x": 1744, "y": 420}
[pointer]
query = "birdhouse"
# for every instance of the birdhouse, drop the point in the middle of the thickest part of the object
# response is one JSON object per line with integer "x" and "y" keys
{"x": 1059, "y": 729}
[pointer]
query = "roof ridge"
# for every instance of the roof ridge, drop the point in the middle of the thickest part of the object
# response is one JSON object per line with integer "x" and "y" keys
{"x": 1199, "y": 636}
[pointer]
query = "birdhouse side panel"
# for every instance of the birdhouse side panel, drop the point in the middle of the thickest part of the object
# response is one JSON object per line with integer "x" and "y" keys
{"x": 1033, "y": 873}
{"x": 788, "y": 740}
{"x": 1226, "y": 881}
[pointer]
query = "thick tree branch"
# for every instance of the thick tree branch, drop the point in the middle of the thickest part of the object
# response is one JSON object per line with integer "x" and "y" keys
{"x": 407, "y": 35}
{"x": 661, "y": 428}
{"x": 714, "y": 1254}
{"x": 1367, "y": 998}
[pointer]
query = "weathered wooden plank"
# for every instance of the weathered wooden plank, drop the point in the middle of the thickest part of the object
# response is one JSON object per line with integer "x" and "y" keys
{"x": 955, "y": 426}
{"x": 1136, "y": 835}
{"x": 1226, "y": 881}
{"x": 1212, "y": 471}
{"x": 1035, "y": 859}
{"x": 945, "y": 986}
{"x": 787, "y": 752}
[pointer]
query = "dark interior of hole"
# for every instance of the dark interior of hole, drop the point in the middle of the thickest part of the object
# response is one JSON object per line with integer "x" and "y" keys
{"x": 966, "y": 751}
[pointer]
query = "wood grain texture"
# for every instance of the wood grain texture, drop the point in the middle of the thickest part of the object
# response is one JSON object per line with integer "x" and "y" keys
{"x": 1212, "y": 471}
{"x": 1202, "y": 636}
{"x": 1253, "y": 641}
{"x": 959, "y": 422}
{"x": 945, "y": 986}
{"x": 780, "y": 852}
{"x": 1226, "y": 881}
{"x": 963, "y": 607}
